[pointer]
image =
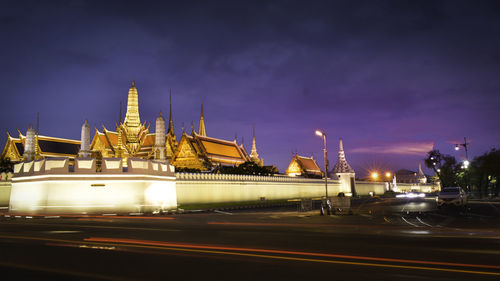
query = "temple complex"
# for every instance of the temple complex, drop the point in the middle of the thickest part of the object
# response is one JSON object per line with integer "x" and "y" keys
{"x": 132, "y": 139}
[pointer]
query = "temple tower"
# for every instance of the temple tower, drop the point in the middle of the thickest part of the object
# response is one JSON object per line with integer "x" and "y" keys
{"x": 201, "y": 130}
{"x": 85, "y": 141}
{"x": 29, "y": 146}
{"x": 254, "y": 156}
{"x": 132, "y": 119}
{"x": 421, "y": 178}
{"x": 159, "y": 148}
{"x": 171, "y": 144}
{"x": 344, "y": 172}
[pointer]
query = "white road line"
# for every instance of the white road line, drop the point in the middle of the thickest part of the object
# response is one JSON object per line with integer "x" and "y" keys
{"x": 410, "y": 222}
{"x": 424, "y": 223}
{"x": 225, "y": 213}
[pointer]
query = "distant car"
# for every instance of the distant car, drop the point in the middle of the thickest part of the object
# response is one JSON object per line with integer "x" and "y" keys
{"x": 455, "y": 196}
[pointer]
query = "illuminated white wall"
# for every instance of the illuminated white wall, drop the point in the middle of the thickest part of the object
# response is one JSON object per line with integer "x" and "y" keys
{"x": 92, "y": 194}
{"x": 53, "y": 188}
{"x": 214, "y": 188}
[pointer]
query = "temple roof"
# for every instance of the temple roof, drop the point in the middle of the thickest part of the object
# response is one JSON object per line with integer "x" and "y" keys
{"x": 221, "y": 149}
{"x": 307, "y": 164}
{"x": 49, "y": 146}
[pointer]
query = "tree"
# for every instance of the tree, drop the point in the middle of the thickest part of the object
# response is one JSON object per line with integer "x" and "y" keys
{"x": 444, "y": 166}
{"x": 6, "y": 165}
{"x": 247, "y": 168}
{"x": 485, "y": 172}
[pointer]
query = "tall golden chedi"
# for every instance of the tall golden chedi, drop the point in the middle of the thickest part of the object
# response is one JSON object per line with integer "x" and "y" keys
{"x": 131, "y": 139}
{"x": 132, "y": 124}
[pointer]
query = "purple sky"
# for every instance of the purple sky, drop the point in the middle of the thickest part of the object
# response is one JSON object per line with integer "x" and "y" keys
{"x": 393, "y": 79}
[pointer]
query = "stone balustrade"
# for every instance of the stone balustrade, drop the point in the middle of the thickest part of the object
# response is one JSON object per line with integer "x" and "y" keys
{"x": 250, "y": 178}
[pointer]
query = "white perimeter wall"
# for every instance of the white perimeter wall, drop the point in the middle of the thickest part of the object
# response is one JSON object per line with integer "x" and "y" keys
{"x": 199, "y": 188}
{"x": 91, "y": 194}
{"x": 213, "y": 188}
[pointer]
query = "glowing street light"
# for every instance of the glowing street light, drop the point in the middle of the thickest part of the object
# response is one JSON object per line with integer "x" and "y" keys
{"x": 374, "y": 175}
{"x": 465, "y": 145}
{"x": 321, "y": 134}
{"x": 388, "y": 174}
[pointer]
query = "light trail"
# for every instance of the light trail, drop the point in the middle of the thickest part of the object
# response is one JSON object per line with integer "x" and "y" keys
{"x": 219, "y": 250}
{"x": 213, "y": 247}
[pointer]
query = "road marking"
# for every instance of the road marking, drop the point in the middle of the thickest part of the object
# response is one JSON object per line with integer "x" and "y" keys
{"x": 62, "y": 231}
{"x": 424, "y": 223}
{"x": 410, "y": 222}
{"x": 221, "y": 212}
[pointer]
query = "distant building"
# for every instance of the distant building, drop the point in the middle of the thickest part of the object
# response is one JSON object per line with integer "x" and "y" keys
{"x": 407, "y": 176}
{"x": 303, "y": 166}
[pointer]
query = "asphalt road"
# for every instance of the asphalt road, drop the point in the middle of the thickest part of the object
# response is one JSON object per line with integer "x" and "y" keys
{"x": 374, "y": 244}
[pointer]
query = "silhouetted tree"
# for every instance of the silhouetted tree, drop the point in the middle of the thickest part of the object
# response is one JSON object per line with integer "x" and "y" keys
{"x": 6, "y": 165}
{"x": 444, "y": 166}
{"x": 485, "y": 172}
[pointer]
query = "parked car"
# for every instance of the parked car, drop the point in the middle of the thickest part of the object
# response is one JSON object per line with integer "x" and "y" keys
{"x": 455, "y": 196}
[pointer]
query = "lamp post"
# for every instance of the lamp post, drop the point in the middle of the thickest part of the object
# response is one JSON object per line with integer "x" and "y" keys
{"x": 465, "y": 144}
{"x": 466, "y": 161}
{"x": 321, "y": 134}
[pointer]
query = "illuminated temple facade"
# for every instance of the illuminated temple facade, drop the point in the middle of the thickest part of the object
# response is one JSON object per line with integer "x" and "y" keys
{"x": 133, "y": 139}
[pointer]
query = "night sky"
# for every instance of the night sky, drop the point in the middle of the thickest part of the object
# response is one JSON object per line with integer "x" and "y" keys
{"x": 394, "y": 79}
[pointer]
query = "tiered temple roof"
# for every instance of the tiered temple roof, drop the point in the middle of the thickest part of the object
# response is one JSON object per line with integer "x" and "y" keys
{"x": 201, "y": 152}
{"x": 47, "y": 147}
{"x": 303, "y": 166}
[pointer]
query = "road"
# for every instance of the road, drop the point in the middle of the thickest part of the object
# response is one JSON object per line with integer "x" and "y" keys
{"x": 264, "y": 245}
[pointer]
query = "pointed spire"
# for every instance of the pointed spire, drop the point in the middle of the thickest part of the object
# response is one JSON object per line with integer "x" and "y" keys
{"x": 342, "y": 166}
{"x": 170, "y": 130}
{"x": 132, "y": 122}
{"x": 254, "y": 156}
{"x": 202, "y": 131}
{"x": 120, "y": 116}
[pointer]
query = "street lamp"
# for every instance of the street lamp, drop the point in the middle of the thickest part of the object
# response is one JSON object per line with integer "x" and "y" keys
{"x": 321, "y": 134}
{"x": 465, "y": 145}
{"x": 466, "y": 162}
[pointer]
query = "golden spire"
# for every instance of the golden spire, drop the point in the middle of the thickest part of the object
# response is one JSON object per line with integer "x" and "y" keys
{"x": 201, "y": 130}
{"x": 132, "y": 118}
{"x": 254, "y": 156}
{"x": 170, "y": 121}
